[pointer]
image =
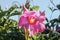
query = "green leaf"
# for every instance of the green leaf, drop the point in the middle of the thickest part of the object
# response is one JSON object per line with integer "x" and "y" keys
{"x": 0, "y": 9}
{"x": 58, "y": 6}
{"x": 34, "y": 37}
{"x": 54, "y": 10}
{"x": 15, "y": 13}
{"x": 12, "y": 8}
{"x": 51, "y": 8}
{"x": 47, "y": 19}
{"x": 35, "y": 7}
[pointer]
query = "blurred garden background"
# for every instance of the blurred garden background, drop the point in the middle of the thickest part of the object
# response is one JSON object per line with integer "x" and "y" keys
{"x": 10, "y": 10}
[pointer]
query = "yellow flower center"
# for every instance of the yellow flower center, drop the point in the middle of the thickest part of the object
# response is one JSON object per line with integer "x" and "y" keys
{"x": 31, "y": 21}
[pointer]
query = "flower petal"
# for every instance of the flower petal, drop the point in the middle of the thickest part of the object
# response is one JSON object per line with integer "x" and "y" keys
{"x": 29, "y": 13}
{"x": 42, "y": 13}
{"x": 33, "y": 30}
{"x": 25, "y": 9}
{"x": 42, "y": 27}
{"x": 22, "y": 21}
{"x": 26, "y": 26}
{"x": 41, "y": 18}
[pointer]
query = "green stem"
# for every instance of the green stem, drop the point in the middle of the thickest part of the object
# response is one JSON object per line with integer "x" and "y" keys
{"x": 26, "y": 34}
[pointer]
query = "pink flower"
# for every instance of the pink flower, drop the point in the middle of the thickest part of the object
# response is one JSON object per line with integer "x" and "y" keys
{"x": 32, "y": 21}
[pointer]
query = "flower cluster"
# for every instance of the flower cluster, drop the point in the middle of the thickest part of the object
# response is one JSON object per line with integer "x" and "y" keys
{"x": 32, "y": 21}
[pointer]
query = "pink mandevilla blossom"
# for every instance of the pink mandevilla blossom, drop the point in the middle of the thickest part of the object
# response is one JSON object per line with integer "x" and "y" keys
{"x": 32, "y": 21}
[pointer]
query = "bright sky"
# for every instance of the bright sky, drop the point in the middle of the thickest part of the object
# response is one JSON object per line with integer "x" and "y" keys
{"x": 43, "y": 4}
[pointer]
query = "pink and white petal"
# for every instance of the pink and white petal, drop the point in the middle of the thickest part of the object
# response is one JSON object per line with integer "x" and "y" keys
{"x": 32, "y": 12}
{"x": 37, "y": 14}
{"x": 29, "y": 13}
{"x": 33, "y": 30}
{"x": 31, "y": 33}
{"x": 42, "y": 18}
{"x": 42, "y": 27}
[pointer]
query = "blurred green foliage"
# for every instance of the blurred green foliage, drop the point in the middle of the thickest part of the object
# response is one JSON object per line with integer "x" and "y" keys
{"x": 8, "y": 27}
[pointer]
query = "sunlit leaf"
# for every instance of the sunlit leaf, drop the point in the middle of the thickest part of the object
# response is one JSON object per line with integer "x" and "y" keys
{"x": 35, "y": 7}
